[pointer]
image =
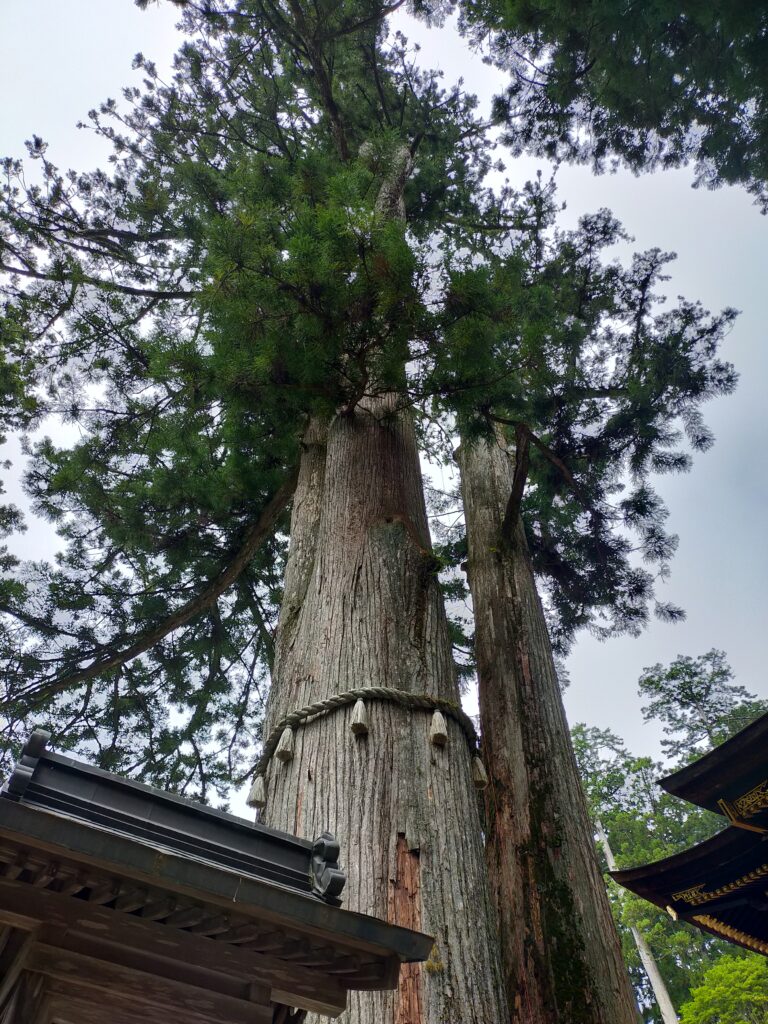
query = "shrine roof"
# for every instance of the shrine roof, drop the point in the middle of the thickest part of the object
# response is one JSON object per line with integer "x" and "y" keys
{"x": 718, "y": 885}
{"x": 732, "y": 779}
{"x": 168, "y": 883}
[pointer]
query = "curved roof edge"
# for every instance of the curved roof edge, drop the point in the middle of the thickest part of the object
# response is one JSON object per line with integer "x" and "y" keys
{"x": 725, "y": 773}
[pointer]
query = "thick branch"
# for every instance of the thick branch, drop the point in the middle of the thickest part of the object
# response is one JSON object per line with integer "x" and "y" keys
{"x": 322, "y": 79}
{"x": 512, "y": 511}
{"x": 546, "y": 451}
{"x": 374, "y": 19}
{"x": 33, "y": 621}
{"x": 255, "y": 536}
{"x": 110, "y": 286}
{"x": 125, "y": 236}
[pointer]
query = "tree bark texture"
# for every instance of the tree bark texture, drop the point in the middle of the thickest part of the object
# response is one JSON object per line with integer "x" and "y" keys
{"x": 362, "y": 607}
{"x": 559, "y": 948}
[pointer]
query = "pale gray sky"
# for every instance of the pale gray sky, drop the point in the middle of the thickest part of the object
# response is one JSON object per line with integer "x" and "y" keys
{"x": 60, "y": 58}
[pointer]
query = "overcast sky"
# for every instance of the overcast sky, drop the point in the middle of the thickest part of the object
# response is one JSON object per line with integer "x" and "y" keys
{"x": 60, "y": 58}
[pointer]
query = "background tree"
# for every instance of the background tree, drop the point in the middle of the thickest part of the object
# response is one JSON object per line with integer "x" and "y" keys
{"x": 603, "y": 777}
{"x": 697, "y": 703}
{"x": 643, "y": 823}
{"x": 653, "y": 85}
{"x": 733, "y": 991}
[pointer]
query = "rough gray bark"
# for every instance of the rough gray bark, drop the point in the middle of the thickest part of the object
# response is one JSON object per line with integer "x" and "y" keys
{"x": 559, "y": 948}
{"x": 647, "y": 959}
{"x": 362, "y": 607}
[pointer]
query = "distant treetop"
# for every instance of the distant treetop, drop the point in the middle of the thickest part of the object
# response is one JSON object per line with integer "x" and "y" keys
{"x": 654, "y": 83}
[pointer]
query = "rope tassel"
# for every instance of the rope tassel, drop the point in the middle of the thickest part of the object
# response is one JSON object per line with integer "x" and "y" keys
{"x": 359, "y": 722}
{"x": 284, "y": 749}
{"x": 479, "y": 774}
{"x": 258, "y": 794}
{"x": 438, "y": 730}
{"x": 279, "y": 743}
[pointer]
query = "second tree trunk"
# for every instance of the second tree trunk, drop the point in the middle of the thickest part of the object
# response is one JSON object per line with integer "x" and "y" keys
{"x": 560, "y": 951}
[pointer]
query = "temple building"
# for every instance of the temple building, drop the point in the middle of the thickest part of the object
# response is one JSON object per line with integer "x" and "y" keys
{"x": 120, "y": 904}
{"x": 720, "y": 885}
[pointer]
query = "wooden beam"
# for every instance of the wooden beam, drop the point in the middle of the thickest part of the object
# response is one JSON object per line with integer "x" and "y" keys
{"x": 78, "y": 1004}
{"x": 280, "y": 996}
{"x": 13, "y": 868}
{"x": 78, "y": 923}
{"x": 131, "y": 900}
{"x": 217, "y": 924}
{"x": 74, "y": 883}
{"x": 104, "y": 893}
{"x": 13, "y": 961}
{"x": 169, "y": 970}
{"x": 68, "y": 1009}
{"x": 12, "y": 917}
{"x": 186, "y": 917}
{"x": 45, "y": 874}
{"x": 32, "y": 1005}
{"x": 159, "y": 909}
{"x": 110, "y": 982}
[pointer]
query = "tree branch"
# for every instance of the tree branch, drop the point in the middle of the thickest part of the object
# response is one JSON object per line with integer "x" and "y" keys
{"x": 255, "y": 536}
{"x": 108, "y": 286}
{"x": 512, "y": 512}
{"x": 546, "y": 451}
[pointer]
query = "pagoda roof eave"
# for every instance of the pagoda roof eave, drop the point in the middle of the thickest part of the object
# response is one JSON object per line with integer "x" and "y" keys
{"x": 718, "y": 885}
{"x": 726, "y": 773}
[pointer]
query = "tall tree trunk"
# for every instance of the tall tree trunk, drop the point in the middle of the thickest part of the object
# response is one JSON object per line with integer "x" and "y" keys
{"x": 647, "y": 959}
{"x": 362, "y": 608}
{"x": 560, "y": 952}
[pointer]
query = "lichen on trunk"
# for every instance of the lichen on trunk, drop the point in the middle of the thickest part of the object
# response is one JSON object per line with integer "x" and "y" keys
{"x": 560, "y": 953}
{"x": 362, "y": 608}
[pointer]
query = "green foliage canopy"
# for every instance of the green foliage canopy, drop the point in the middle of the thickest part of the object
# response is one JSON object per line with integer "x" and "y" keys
{"x": 655, "y": 84}
{"x": 733, "y": 991}
{"x": 234, "y": 272}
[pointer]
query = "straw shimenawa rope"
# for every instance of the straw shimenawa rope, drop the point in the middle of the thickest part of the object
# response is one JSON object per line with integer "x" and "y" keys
{"x": 386, "y": 693}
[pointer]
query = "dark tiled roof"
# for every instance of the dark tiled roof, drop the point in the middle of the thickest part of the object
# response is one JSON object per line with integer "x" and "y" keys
{"x": 736, "y": 772}
{"x": 166, "y": 821}
{"x": 135, "y": 880}
{"x": 720, "y": 885}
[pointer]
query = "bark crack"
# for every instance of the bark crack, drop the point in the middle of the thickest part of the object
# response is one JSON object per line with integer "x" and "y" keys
{"x": 405, "y": 910}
